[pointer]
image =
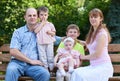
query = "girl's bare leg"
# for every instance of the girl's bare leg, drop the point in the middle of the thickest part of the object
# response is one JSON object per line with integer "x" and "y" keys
{"x": 71, "y": 66}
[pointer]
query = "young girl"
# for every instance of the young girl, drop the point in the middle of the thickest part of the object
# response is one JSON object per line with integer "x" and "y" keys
{"x": 100, "y": 68}
{"x": 45, "y": 38}
{"x": 67, "y": 57}
{"x": 72, "y": 31}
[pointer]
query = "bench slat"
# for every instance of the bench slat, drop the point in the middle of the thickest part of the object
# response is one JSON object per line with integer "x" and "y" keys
{"x": 115, "y": 78}
{"x": 2, "y": 77}
{"x": 115, "y": 57}
{"x": 116, "y": 68}
{"x": 3, "y": 67}
{"x": 5, "y": 47}
{"x": 114, "y": 47}
{"x": 5, "y": 57}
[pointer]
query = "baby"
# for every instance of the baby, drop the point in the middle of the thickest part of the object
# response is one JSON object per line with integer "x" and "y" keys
{"x": 67, "y": 57}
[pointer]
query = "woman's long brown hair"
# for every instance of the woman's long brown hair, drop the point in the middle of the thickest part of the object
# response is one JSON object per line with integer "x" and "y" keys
{"x": 95, "y": 13}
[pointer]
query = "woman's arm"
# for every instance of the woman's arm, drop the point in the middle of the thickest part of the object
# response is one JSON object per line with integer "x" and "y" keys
{"x": 99, "y": 49}
{"x": 83, "y": 42}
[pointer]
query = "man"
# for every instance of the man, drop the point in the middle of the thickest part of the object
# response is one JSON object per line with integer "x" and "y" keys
{"x": 23, "y": 49}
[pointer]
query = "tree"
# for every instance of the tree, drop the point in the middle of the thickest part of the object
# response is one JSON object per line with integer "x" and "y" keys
{"x": 11, "y": 16}
{"x": 113, "y": 20}
{"x": 89, "y": 5}
{"x": 62, "y": 13}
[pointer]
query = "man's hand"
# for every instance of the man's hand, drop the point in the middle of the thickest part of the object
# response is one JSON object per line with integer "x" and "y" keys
{"x": 36, "y": 62}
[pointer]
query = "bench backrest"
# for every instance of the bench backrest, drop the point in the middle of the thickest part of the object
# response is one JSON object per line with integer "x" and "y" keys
{"x": 114, "y": 52}
{"x": 4, "y": 57}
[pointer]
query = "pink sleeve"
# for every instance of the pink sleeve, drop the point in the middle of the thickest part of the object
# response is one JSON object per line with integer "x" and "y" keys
{"x": 60, "y": 51}
{"x": 102, "y": 32}
{"x": 52, "y": 27}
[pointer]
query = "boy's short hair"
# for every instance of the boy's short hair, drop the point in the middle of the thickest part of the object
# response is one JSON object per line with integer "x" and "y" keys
{"x": 43, "y": 8}
{"x": 73, "y": 26}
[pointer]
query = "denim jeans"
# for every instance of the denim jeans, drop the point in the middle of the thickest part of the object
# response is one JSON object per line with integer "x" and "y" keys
{"x": 18, "y": 68}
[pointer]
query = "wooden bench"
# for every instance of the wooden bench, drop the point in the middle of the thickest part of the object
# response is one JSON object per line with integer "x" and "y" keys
{"x": 114, "y": 52}
{"x": 5, "y": 58}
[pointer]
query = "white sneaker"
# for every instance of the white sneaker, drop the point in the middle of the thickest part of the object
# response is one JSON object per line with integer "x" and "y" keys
{"x": 71, "y": 71}
{"x": 63, "y": 73}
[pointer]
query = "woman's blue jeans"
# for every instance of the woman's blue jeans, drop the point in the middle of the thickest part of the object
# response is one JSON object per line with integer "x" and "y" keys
{"x": 18, "y": 68}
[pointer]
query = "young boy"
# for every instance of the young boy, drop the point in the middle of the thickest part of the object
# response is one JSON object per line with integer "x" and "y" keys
{"x": 45, "y": 38}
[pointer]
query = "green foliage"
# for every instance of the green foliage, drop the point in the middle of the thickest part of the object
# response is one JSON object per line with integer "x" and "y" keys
{"x": 88, "y": 5}
{"x": 9, "y": 19}
{"x": 62, "y": 13}
{"x": 113, "y": 20}
{"x": 12, "y": 13}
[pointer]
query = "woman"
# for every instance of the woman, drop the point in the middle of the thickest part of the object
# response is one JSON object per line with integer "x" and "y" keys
{"x": 100, "y": 68}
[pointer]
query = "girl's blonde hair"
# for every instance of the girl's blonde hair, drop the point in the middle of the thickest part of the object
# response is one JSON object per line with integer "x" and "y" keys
{"x": 95, "y": 13}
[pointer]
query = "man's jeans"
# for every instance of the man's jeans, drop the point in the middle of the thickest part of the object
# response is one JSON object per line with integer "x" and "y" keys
{"x": 17, "y": 68}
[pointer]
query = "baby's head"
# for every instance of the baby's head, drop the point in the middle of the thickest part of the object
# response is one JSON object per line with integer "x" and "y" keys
{"x": 68, "y": 43}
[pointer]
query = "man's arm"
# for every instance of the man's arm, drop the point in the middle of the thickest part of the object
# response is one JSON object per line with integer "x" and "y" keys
{"x": 18, "y": 55}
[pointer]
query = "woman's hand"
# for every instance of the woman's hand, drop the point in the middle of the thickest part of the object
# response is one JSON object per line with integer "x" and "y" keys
{"x": 83, "y": 42}
{"x": 82, "y": 57}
